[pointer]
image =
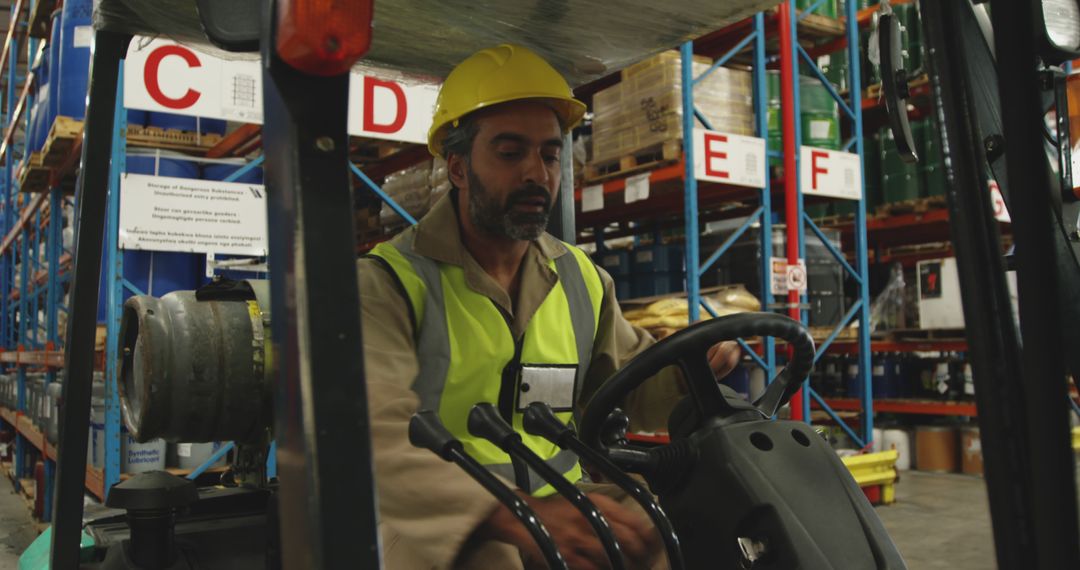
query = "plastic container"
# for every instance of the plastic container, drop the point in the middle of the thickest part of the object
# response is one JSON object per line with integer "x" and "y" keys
{"x": 826, "y": 8}
{"x": 193, "y": 455}
{"x": 97, "y": 424}
{"x": 617, "y": 263}
{"x": 900, "y": 440}
{"x": 52, "y": 427}
{"x": 223, "y": 171}
{"x": 55, "y": 45}
{"x": 75, "y": 36}
{"x": 853, "y": 383}
{"x": 971, "y": 457}
{"x": 137, "y": 118}
{"x": 138, "y": 457}
{"x": 739, "y": 380}
{"x": 936, "y": 449}
{"x": 185, "y": 123}
{"x": 877, "y": 376}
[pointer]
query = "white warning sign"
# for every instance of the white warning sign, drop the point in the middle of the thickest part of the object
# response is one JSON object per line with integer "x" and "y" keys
{"x": 197, "y": 216}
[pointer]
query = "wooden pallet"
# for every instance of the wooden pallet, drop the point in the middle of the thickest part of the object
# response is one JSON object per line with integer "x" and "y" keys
{"x": 835, "y": 220}
{"x": 918, "y": 206}
{"x": 33, "y": 175}
{"x": 369, "y": 150}
{"x": 816, "y": 26}
{"x": 63, "y": 135}
{"x": 171, "y": 139}
{"x": 650, "y": 157}
{"x": 821, "y": 333}
{"x": 927, "y": 334}
{"x": 874, "y": 91}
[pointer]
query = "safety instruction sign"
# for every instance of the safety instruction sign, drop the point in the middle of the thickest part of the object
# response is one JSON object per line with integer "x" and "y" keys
{"x": 729, "y": 159}
{"x": 784, "y": 277}
{"x": 824, "y": 172}
{"x": 196, "y": 216}
{"x": 163, "y": 76}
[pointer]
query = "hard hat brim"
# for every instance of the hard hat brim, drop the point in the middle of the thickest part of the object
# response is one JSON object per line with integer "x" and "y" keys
{"x": 569, "y": 110}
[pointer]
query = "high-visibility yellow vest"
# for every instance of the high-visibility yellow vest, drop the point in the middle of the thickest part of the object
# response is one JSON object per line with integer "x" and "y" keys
{"x": 467, "y": 353}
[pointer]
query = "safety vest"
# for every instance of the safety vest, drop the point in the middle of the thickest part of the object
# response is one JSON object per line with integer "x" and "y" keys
{"x": 467, "y": 352}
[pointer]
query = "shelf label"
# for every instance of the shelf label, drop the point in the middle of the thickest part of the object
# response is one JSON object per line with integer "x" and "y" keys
{"x": 637, "y": 188}
{"x": 164, "y": 76}
{"x": 831, "y": 173}
{"x": 195, "y": 216}
{"x": 729, "y": 159}
{"x": 592, "y": 198}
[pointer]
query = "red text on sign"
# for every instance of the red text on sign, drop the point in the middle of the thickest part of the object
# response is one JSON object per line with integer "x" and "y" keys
{"x": 402, "y": 106}
{"x": 710, "y": 154}
{"x": 150, "y": 76}
{"x": 815, "y": 169}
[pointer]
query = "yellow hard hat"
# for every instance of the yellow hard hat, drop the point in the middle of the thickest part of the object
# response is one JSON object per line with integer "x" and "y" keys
{"x": 498, "y": 75}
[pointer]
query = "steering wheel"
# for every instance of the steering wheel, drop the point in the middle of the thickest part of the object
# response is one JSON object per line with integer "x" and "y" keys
{"x": 688, "y": 350}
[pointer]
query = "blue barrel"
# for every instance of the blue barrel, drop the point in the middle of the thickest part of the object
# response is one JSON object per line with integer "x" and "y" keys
{"x": 75, "y": 24}
{"x": 158, "y": 272}
{"x": 136, "y": 117}
{"x": 739, "y": 380}
{"x": 878, "y": 376}
{"x": 852, "y": 379}
{"x": 223, "y": 171}
{"x": 186, "y": 123}
{"x": 55, "y": 43}
{"x": 38, "y": 112}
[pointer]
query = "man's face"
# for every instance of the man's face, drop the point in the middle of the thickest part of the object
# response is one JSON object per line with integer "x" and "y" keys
{"x": 512, "y": 178}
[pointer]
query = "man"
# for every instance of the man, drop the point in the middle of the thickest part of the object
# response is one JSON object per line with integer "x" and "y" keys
{"x": 477, "y": 303}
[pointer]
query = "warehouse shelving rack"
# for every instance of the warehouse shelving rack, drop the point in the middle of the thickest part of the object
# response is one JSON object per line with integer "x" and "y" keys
{"x": 762, "y": 216}
{"x": 25, "y": 230}
{"x": 30, "y": 220}
{"x": 790, "y": 53}
{"x": 116, "y": 284}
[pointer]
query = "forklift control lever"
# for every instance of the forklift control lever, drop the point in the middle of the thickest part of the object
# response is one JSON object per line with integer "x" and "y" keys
{"x": 485, "y": 422}
{"x": 428, "y": 432}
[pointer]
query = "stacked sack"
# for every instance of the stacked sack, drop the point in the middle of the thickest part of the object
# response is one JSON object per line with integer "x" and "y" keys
{"x": 665, "y": 317}
{"x": 415, "y": 189}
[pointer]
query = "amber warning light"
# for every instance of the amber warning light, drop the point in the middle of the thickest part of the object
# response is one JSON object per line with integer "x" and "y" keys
{"x": 323, "y": 37}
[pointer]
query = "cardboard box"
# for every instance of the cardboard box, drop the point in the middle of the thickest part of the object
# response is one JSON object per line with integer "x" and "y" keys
{"x": 645, "y": 109}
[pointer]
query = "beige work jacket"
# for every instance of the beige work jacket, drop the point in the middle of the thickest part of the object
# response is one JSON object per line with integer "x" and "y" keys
{"x": 428, "y": 508}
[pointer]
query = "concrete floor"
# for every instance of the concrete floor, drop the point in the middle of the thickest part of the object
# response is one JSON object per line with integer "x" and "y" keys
{"x": 941, "y": 521}
{"x": 16, "y": 526}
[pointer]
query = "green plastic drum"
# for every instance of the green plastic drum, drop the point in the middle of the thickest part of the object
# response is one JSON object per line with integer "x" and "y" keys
{"x": 826, "y": 8}
{"x": 890, "y": 157}
{"x": 900, "y": 187}
{"x": 821, "y": 130}
{"x": 933, "y": 180}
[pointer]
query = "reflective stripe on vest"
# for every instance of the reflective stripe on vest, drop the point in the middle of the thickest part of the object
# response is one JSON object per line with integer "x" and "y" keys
{"x": 464, "y": 344}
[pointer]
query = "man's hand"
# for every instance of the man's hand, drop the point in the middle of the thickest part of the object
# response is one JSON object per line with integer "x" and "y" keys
{"x": 724, "y": 357}
{"x": 574, "y": 536}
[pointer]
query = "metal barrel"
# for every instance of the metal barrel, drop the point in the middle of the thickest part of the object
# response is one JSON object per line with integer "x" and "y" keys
{"x": 193, "y": 371}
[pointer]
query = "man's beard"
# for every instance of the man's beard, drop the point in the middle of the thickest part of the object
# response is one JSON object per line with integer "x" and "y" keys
{"x": 502, "y": 220}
